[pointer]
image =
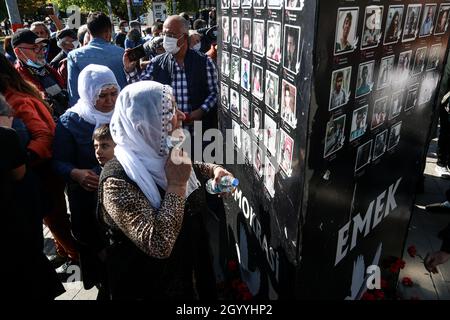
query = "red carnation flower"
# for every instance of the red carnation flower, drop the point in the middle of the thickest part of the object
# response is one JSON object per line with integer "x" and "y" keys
{"x": 379, "y": 294}
{"x": 395, "y": 268}
{"x": 368, "y": 296}
{"x": 232, "y": 265}
{"x": 407, "y": 282}
{"x": 412, "y": 251}
{"x": 384, "y": 284}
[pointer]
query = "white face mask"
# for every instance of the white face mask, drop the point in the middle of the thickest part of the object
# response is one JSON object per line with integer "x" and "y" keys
{"x": 197, "y": 47}
{"x": 126, "y": 29}
{"x": 171, "y": 45}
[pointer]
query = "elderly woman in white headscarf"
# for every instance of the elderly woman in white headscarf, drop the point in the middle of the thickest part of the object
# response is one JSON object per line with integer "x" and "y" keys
{"x": 150, "y": 205}
{"x": 74, "y": 155}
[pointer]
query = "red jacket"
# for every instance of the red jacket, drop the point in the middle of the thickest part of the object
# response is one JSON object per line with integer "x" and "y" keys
{"x": 28, "y": 76}
{"x": 37, "y": 119}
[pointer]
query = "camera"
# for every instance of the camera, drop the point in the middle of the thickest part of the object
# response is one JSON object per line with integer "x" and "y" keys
{"x": 209, "y": 33}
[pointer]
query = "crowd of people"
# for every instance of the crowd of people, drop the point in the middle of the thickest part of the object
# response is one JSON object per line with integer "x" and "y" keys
{"x": 87, "y": 120}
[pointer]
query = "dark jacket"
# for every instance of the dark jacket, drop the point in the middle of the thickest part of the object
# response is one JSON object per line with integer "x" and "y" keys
{"x": 194, "y": 61}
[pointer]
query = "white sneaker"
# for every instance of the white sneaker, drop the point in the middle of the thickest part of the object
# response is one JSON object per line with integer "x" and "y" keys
{"x": 443, "y": 172}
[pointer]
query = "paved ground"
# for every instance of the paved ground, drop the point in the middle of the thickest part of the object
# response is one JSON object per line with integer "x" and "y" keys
{"x": 422, "y": 233}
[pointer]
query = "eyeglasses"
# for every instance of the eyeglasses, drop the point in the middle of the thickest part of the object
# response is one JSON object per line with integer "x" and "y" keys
{"x": 36, "y": 49}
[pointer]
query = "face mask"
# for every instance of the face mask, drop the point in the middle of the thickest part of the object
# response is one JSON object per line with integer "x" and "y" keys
{"x": 30, "y": 63}
{"x": 197, "y": 47}
{"x": 76, "y": 44}
{"x": 172, "y": 142}
{"x": 170, "y": 45}
{"x": 126, "y": 29}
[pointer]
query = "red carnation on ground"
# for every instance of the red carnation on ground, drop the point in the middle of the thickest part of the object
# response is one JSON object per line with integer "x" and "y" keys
{"x": 368, "y": 296}
{"x": 384, "y": 284}
{"x": 412, "y": 251}
{"x": 379, "y": 294}
{"x": 407, "y": 282}
{"x": 232, "y": 265}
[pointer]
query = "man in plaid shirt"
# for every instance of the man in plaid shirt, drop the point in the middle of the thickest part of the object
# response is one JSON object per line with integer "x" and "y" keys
{"x": 191, "y": 74}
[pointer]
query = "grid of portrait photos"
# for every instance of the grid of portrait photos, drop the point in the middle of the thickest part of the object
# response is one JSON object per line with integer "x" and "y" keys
{"x": 385, "y": 61}
{"x": 259, "y": 63}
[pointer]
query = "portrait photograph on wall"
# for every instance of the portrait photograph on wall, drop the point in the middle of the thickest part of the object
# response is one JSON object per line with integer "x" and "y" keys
{"x": 364, "y": 155}
{"x": 246, "y": 34}
{"x": 403, "y": 66}
{"x": 274, "y": 41}
{"x": 442, "y": 19}
{"x": 340, "y": 88}
{"x": 393, "y": 30}
{"x": 234, "y": 102}
{"x": 359, "y": 122}
{"x": 257, "y": 81}
{"x": 334, "y": 136}
{"x": 380, "y": 144}
{"x": 245, "y": 74}
{"x": 379, "y": 112}
{"x": 394, "y": 135}
{"x": 272, "y": 91}
{"x": 258, "y": 44}
{"x": 285, "y": 154}
{"x": 427, "y": 22}
{"x": 386, "y": 71}
{"x": 224, "y": 96}
{"x": 411, "y": 28}
{"x": 346, "y": 27}
{"x": 364, "y": 83}
{"x": 372, "y": 28}
{"x": 236, "y": 32}
{"x": 289, "y": 103}
{"x": 292, "y": 36}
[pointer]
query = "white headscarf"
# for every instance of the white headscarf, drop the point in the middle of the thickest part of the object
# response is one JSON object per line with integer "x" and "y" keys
{"x": 139, "y": 129}
{"x": 91, "y": 81}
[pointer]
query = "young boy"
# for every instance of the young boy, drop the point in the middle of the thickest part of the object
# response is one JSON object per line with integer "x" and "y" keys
{"x": 103, "y": 145}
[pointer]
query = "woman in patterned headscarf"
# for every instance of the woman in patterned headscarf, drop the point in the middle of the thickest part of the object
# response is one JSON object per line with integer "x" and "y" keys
{"x": 150, "y": 203}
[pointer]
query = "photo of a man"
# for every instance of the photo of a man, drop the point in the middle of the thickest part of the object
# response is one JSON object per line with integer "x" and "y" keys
{"x": 396, "y": 104}
{"x": 364, "y": 83}
{"x": 236, "y": 133}
{"x": 235, "y": 69}
{"x": 272, "y": 90}
{"x": 411, "y": 28}
{"x": 291, "y": 47}
{"x": 346, "y": 25}
{"x": 257, "y": 82}
{"x": 274, "y": 41}
{"x": 380, "y": 144}
{"x": 411, "y": 99}
{"x": 288, "y": 103}
{"x": 394, "y": 136}
{"x": 257, "y": 123}
{"x": 246, "y": 34}
{"x": 442, "y": 19}
{"x": 419, "y": 61}
{"x": 225, "y": 64}
{"x": 245, "y": 74}
{"x": 363, "y": 155}
{"x": 334, "y": 136}
{"x": 293, "y": 4}
{"x": 269, "y": 177}
{"x": 386, "y": 72}
{"x": 371, "y": 35}
{"x": 339, "y": 88}
{"x": 285, "y": 154}
{"x": 258, "y": 160}
{"x": 224, "y": 96}
{"x": 434, "y": 57}
{"x": 259, "y": 4}
{"x": 379, "y": 113}
{"x": 234, "y": 103}
{"x": 270, "y": 134}
{"x": 427, "y": 25}
{"x": 246, "y": 146}
{"x": 403, "y": 66}
{"x": 245, "y": 111}
{"x": 258, "y": 44}
{"x": 359, "y": 123}
{"x": 225, "y": 4}
{"x": 226, "y": 29}
{"x": 236, "y": 31}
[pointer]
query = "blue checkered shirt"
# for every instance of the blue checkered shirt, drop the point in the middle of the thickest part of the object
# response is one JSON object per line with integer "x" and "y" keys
{"x": 180, "y": 87}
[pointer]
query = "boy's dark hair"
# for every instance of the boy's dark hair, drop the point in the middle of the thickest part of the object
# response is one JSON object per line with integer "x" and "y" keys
{"x": 98, "y": 23}
{"x": 102, "y": 133}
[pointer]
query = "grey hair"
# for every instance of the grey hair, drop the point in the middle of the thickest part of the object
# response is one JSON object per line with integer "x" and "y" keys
{"x": 184, "y": 23}
{"x": 40, "y": 24}
{"x": 5, "y": 108}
